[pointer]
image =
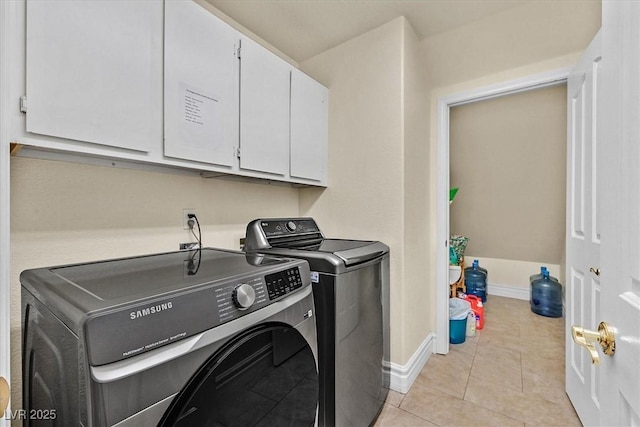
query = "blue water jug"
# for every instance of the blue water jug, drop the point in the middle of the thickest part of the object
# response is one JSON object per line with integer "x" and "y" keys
{"x": 484, "y": 270}
{"x": 546, "y": 296}
{"x": 475, "y": 279}
{"x": 535, "y": 277}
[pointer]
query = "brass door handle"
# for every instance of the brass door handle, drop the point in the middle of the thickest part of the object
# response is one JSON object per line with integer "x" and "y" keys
{"x": 595, "y": 271}
{"x": 588, "y": 338}
{"x": 5, "y": 394}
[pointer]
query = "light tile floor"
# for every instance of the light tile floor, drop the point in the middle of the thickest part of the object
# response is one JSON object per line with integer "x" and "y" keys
{"x": 510, "y": 374}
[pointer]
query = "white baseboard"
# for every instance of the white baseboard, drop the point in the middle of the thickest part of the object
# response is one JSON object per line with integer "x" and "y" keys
{"x": 403, "y": 376}
{"x": 508, "y": 291}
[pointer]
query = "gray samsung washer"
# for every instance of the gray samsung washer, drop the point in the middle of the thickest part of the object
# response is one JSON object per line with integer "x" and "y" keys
{"x": 201, "y": 337}
{"x": 351, "y": 293}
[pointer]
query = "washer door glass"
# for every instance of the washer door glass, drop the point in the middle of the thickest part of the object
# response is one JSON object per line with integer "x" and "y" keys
{"x": 265, "y": 376}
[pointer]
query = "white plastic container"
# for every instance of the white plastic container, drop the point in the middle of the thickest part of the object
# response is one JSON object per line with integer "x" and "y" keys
{"x": 471, "y": 325}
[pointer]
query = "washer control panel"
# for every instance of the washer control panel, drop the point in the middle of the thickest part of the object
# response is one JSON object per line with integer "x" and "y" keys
{"x": 280, "y": 227}
{"x": 281, "y": 233}
{"x": 234, "y": 298}
{"x": 283, "y": 282}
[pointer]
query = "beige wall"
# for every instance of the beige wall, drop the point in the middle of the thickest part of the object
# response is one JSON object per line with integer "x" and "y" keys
{"x": 66, "y": 213}
{"x": 515, "y": 38}
{"x": 508, "y": 157}
{"x": 419, "y": 319}
{"x": 364, "y": 199}
{"x": 377, "y": 145}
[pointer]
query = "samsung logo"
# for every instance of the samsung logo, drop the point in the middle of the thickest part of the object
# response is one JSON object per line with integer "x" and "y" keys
{"x": 150, "y": 310}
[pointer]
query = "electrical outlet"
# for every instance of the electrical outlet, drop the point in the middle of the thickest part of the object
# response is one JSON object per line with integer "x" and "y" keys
{"x": 185, "y": 217}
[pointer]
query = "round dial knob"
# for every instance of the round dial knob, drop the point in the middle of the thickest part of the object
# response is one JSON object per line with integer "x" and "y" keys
{"x": 243, "y": 296}
{"x": 291, "y": 226}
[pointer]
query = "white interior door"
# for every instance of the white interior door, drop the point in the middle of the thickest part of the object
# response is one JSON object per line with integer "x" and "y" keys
{"x": 619, "y": 131}
{"x": 582, "y": 293}
{"x": 609, "y": 394}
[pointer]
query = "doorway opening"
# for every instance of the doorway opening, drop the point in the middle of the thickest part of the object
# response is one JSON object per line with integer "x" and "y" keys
{"x": 445, "y": 103}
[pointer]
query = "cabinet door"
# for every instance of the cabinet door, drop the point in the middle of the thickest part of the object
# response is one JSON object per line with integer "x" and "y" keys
{"x": 94, "y": 71}
{"x": 264, "y": 110}
{"x": 309, "y": 127}
{"x": 201, "y": 90}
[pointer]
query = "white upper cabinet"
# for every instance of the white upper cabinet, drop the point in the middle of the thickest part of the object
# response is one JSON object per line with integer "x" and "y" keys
{"x": 201, "y": 90}
{"x": 264, "y": 110}
{"x": 94, "y": 71}
{"x": 167, "y": 83}
{"x": 309, "y": 128}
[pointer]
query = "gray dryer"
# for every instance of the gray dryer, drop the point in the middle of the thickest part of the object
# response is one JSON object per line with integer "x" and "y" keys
{"x": 202, "y": 337}
{"x": 351, "y": 292}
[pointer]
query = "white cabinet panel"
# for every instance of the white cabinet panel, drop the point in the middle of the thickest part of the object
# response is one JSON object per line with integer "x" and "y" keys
{"x": 163, "y": 83}
{"x": 264, "y": 110}
{"x": 94, "y": 71}
{"x": 201, "y": 92}
{"x": 309, "y": 127}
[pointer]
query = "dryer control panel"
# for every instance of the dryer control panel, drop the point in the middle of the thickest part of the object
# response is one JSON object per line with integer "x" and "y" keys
{"x": 283, "y": 282}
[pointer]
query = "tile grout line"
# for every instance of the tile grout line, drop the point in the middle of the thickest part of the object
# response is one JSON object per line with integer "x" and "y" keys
{"x": 473, "y": 359}
{"x": 418, "y": 416}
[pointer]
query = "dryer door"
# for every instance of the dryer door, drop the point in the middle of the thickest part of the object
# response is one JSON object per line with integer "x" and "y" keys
{"x": 265, "y": 376}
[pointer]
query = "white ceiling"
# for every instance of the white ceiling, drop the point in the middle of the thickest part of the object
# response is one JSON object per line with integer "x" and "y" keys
{"x": 304, "y": 28}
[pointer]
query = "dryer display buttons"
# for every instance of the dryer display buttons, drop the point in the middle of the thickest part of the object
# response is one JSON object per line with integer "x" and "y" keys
{"x": 283, "y": 282}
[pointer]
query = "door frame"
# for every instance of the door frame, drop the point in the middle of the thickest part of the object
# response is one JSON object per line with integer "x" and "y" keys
{"x": 444, "y": 104}
{"x": 8, "y": 34}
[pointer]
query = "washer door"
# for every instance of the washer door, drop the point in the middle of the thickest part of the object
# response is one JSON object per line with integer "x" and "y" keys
{"x": 265, "y": 376}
